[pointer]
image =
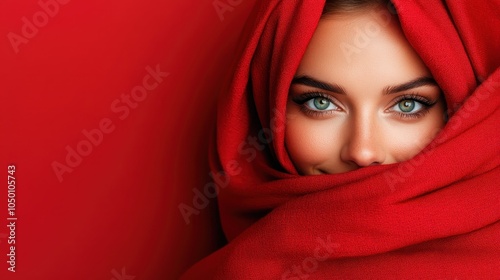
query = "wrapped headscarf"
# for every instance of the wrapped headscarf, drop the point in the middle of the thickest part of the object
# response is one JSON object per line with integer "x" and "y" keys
{"x": 434, "y": 216}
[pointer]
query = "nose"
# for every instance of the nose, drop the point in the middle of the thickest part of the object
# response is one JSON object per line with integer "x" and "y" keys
{"x": 363, "y": 145}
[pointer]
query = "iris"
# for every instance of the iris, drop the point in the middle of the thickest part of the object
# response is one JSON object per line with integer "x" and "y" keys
{"x": 406, "y": 106}
{"x": 321, "y": 103}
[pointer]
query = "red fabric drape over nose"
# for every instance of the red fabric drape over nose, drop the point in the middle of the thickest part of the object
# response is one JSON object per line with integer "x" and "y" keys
{"x": 433, "y": 216}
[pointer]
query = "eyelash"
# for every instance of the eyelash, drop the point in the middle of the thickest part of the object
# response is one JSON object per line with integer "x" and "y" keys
{"x": 303, "y": 98}
{"x": 426, "y": 104}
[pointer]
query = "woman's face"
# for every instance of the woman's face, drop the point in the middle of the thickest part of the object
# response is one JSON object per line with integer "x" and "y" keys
{"x": 361, "y": 96}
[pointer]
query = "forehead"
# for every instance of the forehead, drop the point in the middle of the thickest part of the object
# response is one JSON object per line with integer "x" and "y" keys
{"x": 368, "y": 45}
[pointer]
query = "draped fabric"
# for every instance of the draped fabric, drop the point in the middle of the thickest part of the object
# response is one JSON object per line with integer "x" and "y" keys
{"x": 434, "y": 216}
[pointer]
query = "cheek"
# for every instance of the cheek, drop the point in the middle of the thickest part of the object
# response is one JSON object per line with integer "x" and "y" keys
{"x": 311, "y": 142}
{"x": 407, "y": 141}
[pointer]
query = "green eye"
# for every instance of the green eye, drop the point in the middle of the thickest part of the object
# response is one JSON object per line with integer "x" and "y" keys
{"x": 321, "y": 103}
{"x": 406, "y": 106}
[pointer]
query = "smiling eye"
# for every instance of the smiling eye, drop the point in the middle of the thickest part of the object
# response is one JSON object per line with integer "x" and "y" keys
{"x": 408, "y": 106}
{"x": 320, "y": 104}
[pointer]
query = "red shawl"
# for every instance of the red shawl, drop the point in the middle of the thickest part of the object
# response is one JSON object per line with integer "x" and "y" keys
{"x": 432, "y": 217}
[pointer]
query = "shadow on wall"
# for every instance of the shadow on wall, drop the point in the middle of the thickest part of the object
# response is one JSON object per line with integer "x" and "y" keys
{"x": 199, "y": 226}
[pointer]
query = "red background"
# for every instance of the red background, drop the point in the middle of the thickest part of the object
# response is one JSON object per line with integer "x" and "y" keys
{"x": 118, "y": 208}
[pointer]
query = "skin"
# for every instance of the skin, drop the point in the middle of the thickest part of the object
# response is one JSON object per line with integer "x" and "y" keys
{"x": 359, "y": 69}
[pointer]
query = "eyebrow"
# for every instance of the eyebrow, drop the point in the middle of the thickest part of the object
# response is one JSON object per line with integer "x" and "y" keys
{"x": 312, "y": 82}
{"x": 416, "y": 83}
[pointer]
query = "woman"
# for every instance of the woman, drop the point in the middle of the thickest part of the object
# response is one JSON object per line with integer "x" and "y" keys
{"x": 362, "y": 92}
{"x": 357, "y": 144}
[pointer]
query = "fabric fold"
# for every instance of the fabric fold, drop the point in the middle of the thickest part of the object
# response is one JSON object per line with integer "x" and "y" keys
{"x": 434, "y": 216}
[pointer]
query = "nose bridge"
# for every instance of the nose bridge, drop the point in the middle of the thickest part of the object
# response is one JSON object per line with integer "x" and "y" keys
{"x": 362, "y": 128}
{"x": 363, "y": 145}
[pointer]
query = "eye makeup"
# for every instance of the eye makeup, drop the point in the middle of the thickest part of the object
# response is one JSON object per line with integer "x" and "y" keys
{"x": 304, "y": 98}
{"x": 419, "y": 102}
{"x": 422, "y": 103}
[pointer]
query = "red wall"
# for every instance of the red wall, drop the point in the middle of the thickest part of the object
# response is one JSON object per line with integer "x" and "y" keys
{"x": 104, "y": 148}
